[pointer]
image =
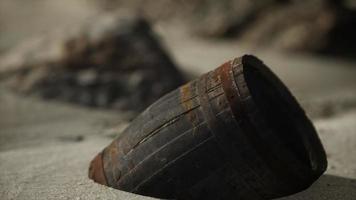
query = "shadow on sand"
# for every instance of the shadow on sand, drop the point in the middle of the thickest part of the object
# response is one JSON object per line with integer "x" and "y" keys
{"x": 328, "y": 187}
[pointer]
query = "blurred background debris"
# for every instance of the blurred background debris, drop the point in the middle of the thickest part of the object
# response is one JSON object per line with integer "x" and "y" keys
{"x": 319, "y": 26}
{"x": 100, "y": 62}
{"x": 111, "y": 62}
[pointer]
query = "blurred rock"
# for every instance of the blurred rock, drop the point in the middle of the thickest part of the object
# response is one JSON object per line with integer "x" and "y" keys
{"x": 316, "y": 26}
{"x": 111, "y": 62}
{"x": 325, "y": 26}
{"x": 322, "y": 26}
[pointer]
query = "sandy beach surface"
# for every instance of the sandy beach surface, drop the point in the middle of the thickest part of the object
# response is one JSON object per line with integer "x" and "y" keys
{"x": 46, "y": 146}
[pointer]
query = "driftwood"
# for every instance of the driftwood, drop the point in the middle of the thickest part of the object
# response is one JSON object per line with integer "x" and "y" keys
{"x": 234, "y": 133}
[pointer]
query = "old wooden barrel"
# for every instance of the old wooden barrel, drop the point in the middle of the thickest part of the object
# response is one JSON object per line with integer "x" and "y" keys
{"x": 234, "y": 133}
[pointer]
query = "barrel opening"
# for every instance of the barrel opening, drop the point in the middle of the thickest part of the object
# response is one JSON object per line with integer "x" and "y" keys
{"x": 281, "y": 111}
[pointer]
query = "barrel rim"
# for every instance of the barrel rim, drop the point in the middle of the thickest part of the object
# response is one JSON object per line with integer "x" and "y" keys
{"x": 310, "y": 139}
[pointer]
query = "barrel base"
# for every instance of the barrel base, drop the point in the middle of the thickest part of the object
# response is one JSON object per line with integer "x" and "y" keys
{"x": 96, "y": 170}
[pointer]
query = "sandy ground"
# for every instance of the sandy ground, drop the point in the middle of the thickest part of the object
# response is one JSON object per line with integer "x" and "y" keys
{"x": 46, "y": 147}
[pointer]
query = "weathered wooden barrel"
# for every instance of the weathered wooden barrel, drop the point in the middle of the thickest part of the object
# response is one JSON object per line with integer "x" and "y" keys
{"x": 234, "y": 133}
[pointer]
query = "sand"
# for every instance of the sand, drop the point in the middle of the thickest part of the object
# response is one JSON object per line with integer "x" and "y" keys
{"x": 45, "y": 147}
